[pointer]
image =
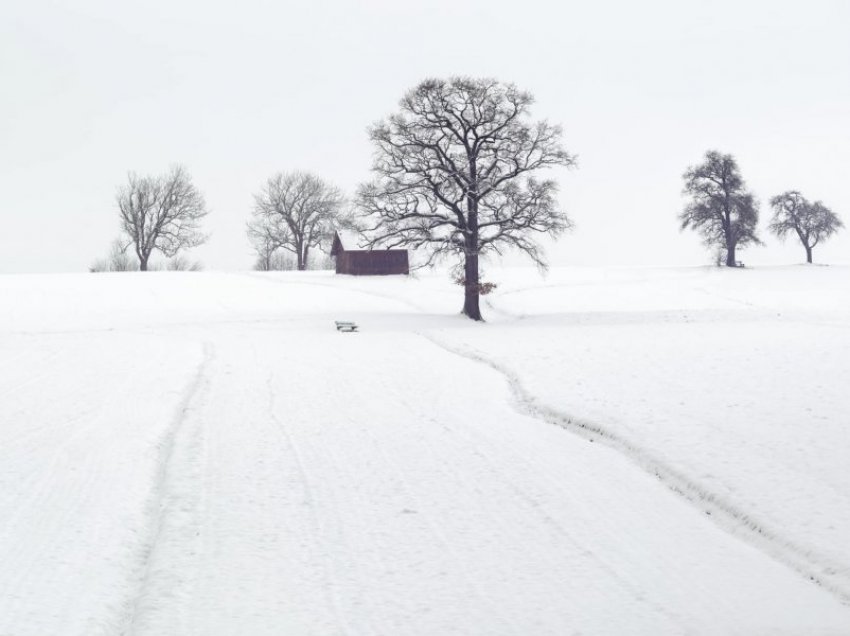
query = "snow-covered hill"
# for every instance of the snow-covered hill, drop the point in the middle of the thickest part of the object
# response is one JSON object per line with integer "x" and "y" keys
{"x": 613, "y": 452}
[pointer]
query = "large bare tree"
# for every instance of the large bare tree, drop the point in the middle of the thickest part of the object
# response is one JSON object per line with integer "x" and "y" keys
{"x": 455, "y": 175}
{"x": 812, "y": 222}
{"x": 294, "y": 211}
{"x": 721, "y": 208}
{"x": 161, "y": 213}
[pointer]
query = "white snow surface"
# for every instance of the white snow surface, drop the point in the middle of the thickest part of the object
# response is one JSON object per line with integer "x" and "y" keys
{"x": 614, "y": 452}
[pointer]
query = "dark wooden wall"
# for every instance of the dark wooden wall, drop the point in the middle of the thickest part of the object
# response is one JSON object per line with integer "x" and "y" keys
{"x": 372, "y": 263}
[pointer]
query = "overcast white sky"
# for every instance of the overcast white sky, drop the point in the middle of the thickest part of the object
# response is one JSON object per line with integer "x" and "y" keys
{"x": 92, "y": 89}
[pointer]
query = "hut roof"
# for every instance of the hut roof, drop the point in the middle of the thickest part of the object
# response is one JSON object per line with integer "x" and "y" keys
{"x": 347, "y": 241}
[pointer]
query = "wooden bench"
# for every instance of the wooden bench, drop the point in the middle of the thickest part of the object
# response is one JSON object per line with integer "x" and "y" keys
{"x": 345, "y": 326}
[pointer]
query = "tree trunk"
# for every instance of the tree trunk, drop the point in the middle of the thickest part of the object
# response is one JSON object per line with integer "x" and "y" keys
{"x": 730, "y": 256}
{"x": 470, "y": 290}
{"x": 470, "y": 265}
{"x": 808, "y": 254}
{"x": 143, "y": 264}
{"x": 303, "y": 265}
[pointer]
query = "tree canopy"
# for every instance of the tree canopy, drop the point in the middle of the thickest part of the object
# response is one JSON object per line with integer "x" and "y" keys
{"x": 161, "y": 213}
{"x": 720, "y": 207}
{"x": 296, "y": 212}
{"x": 813, "y": 223}
{"x": 456, "y": 175}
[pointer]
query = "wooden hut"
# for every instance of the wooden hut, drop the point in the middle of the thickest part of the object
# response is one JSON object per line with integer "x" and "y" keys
{"x": 352, "y": 259}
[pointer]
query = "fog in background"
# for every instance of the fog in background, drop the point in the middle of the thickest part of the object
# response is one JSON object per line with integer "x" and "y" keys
{"x": 93, "y": 89}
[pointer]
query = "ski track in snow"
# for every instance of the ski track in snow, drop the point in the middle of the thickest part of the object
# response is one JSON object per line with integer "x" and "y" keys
{"x": 162, "y": 502}
{"x": 730, "y": 517}
{"x": 58, "y": 459}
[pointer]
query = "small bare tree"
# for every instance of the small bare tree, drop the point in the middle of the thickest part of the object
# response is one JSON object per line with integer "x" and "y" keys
{"x": 117, "y": 261}
{"x": 455, "y": 175}
{"x": 721, "y": 208}
{"x": 294, "y": 212}
{"x": 265, "y": 244}
{"x": 812, "y": 222}
{"x": 161, "y": 213}
{"x": 182, "y": 264}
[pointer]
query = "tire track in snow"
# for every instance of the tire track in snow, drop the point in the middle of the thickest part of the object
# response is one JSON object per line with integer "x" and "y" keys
{"x": 724, "y": 513}
{"x": 159, "y": 505}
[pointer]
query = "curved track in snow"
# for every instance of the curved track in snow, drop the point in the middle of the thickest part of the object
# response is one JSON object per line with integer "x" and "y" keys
{"x": 739, "y": 522}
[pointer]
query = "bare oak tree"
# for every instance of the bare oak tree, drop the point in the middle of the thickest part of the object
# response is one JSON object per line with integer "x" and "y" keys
{"x": 455, "y": 176}
{"x": 295, "y": 212}
{"x": 812, "y": 222}
{"x": 721, "y": 208}
{"x": 161, "y": 213}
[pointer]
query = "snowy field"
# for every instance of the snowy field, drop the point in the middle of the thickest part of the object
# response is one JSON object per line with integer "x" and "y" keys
{"x": 615, "y": 452}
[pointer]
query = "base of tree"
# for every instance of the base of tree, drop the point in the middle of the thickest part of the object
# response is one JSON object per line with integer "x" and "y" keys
{"x": 476, "y": 317}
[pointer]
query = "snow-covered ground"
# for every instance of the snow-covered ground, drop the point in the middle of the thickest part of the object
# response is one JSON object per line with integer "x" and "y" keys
{"x": 614, "y": 452}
